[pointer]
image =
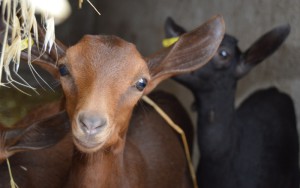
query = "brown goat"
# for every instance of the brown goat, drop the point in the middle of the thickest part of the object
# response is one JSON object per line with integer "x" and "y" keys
{"x": 103, "y": 78}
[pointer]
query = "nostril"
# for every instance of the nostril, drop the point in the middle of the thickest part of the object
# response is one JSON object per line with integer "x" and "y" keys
{"x": 91, "y": 124}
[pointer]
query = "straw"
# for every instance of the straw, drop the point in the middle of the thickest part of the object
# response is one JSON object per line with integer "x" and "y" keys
{"x": 20, "y": 34}
{"x": 179, "y": 131}
{"x": 12, "y": 181}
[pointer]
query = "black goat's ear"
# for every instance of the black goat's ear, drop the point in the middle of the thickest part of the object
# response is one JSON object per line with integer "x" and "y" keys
{"x": 262, "y": 48}
{"x": 172, "y": 29}
{"x": 192, "y": 50}
{"x": 40, "y": 135}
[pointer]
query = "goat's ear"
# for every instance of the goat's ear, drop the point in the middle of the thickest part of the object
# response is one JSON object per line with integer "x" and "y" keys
{"x": 47, "y": 60}
{"x": 39, "y": 135}
{"x": 193, "y": 50}
{"x": 262, "y": 48}
{"x": 172, "y": 29}
{"x": 48, "y": 66}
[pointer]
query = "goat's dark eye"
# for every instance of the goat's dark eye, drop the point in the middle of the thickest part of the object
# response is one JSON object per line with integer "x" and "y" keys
{"x": 223, "y": 54}
{"x": 63, "y": 70}
{"x": 141, "y": 84}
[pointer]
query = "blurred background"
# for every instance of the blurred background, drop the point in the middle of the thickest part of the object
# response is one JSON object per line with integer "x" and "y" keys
{"x": 142, "y": 23}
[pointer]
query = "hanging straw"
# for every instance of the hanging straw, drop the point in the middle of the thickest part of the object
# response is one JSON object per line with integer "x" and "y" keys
{"x": 179, "y": 131}
{"x": 20, "y": 33}
{"x": 12, "y": 181}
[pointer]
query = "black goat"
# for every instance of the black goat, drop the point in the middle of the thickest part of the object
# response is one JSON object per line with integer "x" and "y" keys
{"x": 255, "y": 145}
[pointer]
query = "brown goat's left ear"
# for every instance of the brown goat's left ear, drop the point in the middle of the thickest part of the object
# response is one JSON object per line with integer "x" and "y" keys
{"x": 193, "y": 50}
{"x": 39, "y": 135}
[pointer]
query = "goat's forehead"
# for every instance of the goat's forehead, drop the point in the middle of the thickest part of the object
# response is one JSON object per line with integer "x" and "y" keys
{"x": 229, "y": 41}
{"x": 103, "y": 51}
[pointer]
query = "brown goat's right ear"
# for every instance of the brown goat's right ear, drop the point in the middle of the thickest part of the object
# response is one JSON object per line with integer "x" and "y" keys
{"x": 39, "y": 135}
{"x": 46, "y": 60}
{"x": 193, "y": 50}
{"x": 262, "y": 48}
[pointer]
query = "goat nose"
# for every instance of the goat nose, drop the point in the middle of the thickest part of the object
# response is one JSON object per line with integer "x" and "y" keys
{"x": 91, "y": 124}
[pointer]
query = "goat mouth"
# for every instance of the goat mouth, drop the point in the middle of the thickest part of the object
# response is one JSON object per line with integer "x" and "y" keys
{"x": 86, "y": 144}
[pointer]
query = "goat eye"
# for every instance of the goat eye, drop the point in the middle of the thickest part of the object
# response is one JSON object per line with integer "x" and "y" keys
{"x": 223, "y": 54}
{"x": 63, "y": 70}
{"x": 141, "y": 84}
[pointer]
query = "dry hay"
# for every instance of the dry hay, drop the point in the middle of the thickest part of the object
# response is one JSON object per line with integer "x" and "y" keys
{"x": 20, "y": 32}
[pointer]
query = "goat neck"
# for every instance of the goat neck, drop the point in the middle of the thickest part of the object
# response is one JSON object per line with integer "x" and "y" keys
{"x": 107, "y": 169}
{"x": 216, "y": 121}
{"x": 214, "y": 88}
